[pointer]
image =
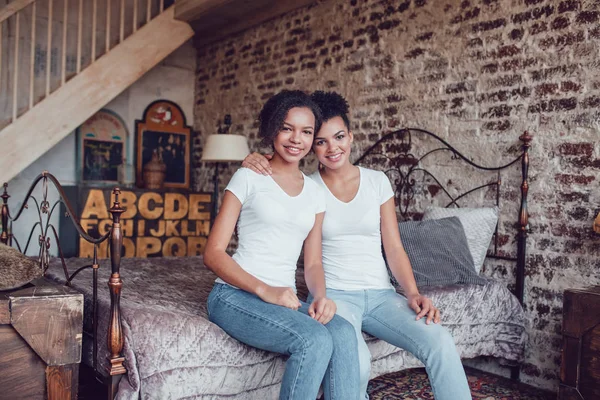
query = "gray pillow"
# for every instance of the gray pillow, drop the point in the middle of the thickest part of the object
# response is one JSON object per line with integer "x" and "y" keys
{"x": 438, "y": 252}
{"x": 479, "y": 225}
{"x": 16, "y": 269}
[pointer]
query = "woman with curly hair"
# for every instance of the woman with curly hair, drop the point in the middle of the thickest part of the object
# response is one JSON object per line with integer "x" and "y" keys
{"x": 254, "y": 300}
{"x": 361, "y": 215}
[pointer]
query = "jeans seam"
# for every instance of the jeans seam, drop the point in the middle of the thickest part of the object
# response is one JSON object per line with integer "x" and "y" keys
{"x": 283, "y": 327}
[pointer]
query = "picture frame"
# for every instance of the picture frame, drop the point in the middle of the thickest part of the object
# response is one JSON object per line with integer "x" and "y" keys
{"x": 163, "y": 130}
{"x": 102, "y": 147}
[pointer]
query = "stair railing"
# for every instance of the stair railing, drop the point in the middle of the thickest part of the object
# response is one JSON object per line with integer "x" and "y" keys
{"x": 44, "y": 43}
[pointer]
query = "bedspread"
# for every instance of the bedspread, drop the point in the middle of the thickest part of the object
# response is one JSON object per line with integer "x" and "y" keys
{"x": 172, "y": 351}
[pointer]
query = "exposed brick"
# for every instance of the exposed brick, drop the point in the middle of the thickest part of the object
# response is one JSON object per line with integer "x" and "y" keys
{"x": 569, "y": 5}
{"x": 576, "y": 149}
{"x": 567, "y": 179}
{"x": 588, "y": 17}
{"x": 546, "y": 89}
{"x": 560, "y": 23}
{"x": 415, "y": 53}
{"x": 355, "y": 67}
{"x": 389, "y": 24}
{"x": 404, "y": 6}
{"x": 569, "y": 86}
{"x": 475, "y": 42}
{"x": 459, "y": 87}
{"x": 538, "y": 27}
{"x": 489, "y": 25}
{"x": 497, "y": 125}
{"x": 516, "y": 34}
{"x": 424, "y": 36}
{"x": 500, "y": 111}
{"x": 548, "y": 73}
{"x": 591, "y": 102}
{"x": 506, "y": 80}
{"x": 573, "y": 197}
{"x": 489, "y": 68}
{"x": 507, "y": 51}
{"x": 554, "y": 105}
{"x": 534, "y": 14}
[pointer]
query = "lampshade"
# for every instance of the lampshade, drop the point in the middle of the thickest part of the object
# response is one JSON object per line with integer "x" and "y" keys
{"x": 597, "y": 224}
{"x": 225, "y": 147}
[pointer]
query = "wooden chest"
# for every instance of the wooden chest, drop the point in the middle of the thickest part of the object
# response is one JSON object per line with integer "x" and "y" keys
{"x": 40, "y": 338}
{"x": 580, "y": 369}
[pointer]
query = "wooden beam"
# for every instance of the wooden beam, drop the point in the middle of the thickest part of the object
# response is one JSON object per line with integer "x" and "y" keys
{"x": 213, "y": 20}
{"x": 191, "y": 10}
{"x": 11, "y": 8}
{"x": 41, "y": 128}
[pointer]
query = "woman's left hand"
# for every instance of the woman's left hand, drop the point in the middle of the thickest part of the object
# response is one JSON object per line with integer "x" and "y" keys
{"x": 423, "y": 306}
{"x": 322, "y": 309}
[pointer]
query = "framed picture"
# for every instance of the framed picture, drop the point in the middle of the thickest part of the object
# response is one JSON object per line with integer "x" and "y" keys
{"x": 163, "y": 130}
{"x": 101, "y": 148}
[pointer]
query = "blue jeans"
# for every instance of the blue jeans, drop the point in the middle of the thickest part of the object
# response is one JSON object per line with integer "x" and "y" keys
{"x": 318, "y": 353}
{"x": 385, "y": 314}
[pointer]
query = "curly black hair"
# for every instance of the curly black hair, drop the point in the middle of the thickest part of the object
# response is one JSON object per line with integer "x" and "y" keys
{"x": 332, "y": 104}
{"x": 275, "y": 110}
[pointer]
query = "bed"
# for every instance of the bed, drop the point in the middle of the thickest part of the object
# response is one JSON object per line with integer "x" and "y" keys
{"x": 155, "y": 341}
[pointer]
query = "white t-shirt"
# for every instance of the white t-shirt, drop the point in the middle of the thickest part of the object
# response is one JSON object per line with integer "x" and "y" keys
{"x": 352, "y": 256}
{"x": 272, "y": 225}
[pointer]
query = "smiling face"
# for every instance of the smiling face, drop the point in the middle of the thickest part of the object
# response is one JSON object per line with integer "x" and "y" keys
{"x": 333, "y": 143}
{"x": 296, "y": 134}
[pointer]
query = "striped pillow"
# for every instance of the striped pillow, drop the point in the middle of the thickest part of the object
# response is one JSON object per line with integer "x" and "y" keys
{"x": 438, "y": 252}
{"x": 479, "y": 225}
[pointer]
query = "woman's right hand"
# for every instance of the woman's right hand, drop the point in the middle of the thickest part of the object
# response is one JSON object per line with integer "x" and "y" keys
{"x": 282, "y": 296}
{"x": 258, "y": 163}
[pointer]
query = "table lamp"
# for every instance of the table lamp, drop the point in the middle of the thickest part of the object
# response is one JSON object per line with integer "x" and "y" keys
{"x": 223, "y": 147}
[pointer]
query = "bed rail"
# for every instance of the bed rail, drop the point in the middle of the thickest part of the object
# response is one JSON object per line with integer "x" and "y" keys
{"x": 47, "y": 230}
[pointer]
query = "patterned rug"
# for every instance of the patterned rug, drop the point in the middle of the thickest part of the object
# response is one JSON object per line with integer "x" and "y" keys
{"x": 414, "y": 385}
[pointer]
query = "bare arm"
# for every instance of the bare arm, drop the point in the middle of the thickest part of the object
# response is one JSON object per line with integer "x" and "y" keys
{"x": 217, "y": 260}
{"x": 322, "y": 309}
{"x": 400, "y": 264}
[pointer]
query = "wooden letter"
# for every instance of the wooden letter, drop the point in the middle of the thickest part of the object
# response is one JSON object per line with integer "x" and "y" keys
{"x": 86, "y": 224}
{"x": 202, "y": 228}
{"x": 127, "y": 227}
{"x": 196, "y": 245}
{"x": 144, "y": 206}
{"x": 184, "y": 228}
{"x": 172, "y": 199}
{"x": 86, "y": 249}
{"x": 104, "y": 226}
{"x": 174, "y": 243}
{"x": 161, "y": 229}
{"x": 196, "y": 206}
{"x": 147, "y": 245}
{"x": 172, "y": 228}
{"x": 95, "y": 205}
{"x": 129, "y": 247}
{"x": 141, "y": 231}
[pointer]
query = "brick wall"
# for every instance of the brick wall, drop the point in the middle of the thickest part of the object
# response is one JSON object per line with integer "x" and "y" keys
{"x": 478, "y": 73}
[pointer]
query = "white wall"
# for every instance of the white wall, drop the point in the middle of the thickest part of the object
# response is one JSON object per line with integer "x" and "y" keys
{"x": 173, "y": 79}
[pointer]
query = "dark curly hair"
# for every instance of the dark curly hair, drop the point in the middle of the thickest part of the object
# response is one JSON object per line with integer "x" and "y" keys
{"x": 332, "y": 104}
{"x": 275, "y": 110}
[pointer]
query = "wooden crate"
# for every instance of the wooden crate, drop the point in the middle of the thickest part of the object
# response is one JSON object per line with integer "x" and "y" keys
{"x": 40, "y": 338}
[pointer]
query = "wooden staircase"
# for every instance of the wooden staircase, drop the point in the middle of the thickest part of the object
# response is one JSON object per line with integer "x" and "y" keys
{"x": 98, "y": 48}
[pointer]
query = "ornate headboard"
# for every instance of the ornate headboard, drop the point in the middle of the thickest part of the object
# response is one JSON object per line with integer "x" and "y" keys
{"x": 426, "y": 170}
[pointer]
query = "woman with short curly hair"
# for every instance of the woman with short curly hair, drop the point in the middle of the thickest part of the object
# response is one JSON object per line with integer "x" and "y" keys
{"x": 254, "y": 300}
